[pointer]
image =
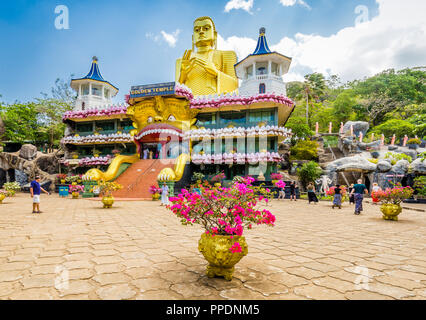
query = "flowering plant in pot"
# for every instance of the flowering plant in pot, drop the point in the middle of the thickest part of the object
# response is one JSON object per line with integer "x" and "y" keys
{"x": 75, "y": 190}
{"x": 391, "y": 199}
{"x": 61, "y": 178}
{"x": 413, "y": 143}
{"x": 275, "y": 177}
{"x": 155, "y": 192}
{"x": 198, "y": 177}
{"x": 11, "y": 188}
{"x": 224, "y": 213}
{"x": 217, "y": 179}
{"x": 105, "y": 190}
{"x": 3, "y": 195}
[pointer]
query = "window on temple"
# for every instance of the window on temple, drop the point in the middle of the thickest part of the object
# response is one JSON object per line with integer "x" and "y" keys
{"x": 205, "y": 119}
{"x": 96, "y": 90}
{"x": 84, "y": 127}
{"x": 261, "y": 68}
{"x": 274, "y": 69}
{"x": 85, "y": 89}
{"x": 256, "y": 116}
{"x": 262, "y": 88}
{"x": 237, "y": 117}
{"x": 126, "y": 125}
{"x": 105, "y": 125}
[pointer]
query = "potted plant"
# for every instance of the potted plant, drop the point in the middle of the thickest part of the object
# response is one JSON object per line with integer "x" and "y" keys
{"x": 420, "y": 188}
{"x": 413, "y": 143}
{"x": 391, "y": 199}
{"x": 155, "y": 192}
{"x": 74, "y": 155}
{"x": 217, "y": 179}
{"x": 224, "y": 213}
{"x": 3, "y": 194}
{"x": 275, "y": 177}
{"x": 198, "y": 177}
{"x": 75, "y": 190}
{"x": 11, "y": 188}
{"x": 61, "y": 178}
{"x": 105, "y": 190}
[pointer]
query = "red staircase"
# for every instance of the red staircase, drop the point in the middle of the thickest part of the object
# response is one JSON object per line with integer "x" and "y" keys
{"x": 137, "y": 179}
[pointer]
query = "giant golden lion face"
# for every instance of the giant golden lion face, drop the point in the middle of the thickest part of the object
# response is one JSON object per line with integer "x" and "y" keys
{"x": 160, "y": 116}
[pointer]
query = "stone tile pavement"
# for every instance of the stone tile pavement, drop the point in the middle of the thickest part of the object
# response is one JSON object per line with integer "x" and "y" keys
{"x": 138, "y": 250}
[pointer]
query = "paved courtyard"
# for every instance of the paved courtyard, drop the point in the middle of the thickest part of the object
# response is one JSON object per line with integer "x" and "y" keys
{"x": 138, "y": 250}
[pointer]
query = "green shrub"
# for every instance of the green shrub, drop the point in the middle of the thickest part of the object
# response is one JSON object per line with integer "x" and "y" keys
{"x": 420, "y": 185}
{"x": 309, "y": 172}
{"x": 395, "y": 157}
{"x": 304, "y": 150}
{"x": 414, "y": 141}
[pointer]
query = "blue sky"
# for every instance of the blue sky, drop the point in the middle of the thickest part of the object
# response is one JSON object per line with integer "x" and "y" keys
{"x": 129, "y": 37}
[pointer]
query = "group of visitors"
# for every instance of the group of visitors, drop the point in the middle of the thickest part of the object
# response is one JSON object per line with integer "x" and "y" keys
{"x": 281, "y": 192}
{"x": 356, "y": 195}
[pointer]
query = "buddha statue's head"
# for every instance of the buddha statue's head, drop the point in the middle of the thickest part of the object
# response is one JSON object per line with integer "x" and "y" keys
{"x": 205, "y": 34}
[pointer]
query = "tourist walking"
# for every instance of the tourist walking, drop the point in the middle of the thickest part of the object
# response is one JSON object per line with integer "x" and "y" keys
{"x": 293, "y": 191}
{"x": 164, "y": 194}
{"x": 358, "y": 190}
{"x": 312, "y": 197}
{"x": 35, "y": 191}
{"x": 145, "y": 153}
{"x": 351, "y": 196}
{"x": 337, "y": 200}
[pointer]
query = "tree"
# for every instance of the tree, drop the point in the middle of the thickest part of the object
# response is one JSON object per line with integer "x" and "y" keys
{"x": 314, "y": 88}
{"x": 344, "y": 105}
{"x": 390, "y": 90}
{"x": 299, "y": 128}
{"x": 20, "y": 120}
{"x": 309, "y": 172}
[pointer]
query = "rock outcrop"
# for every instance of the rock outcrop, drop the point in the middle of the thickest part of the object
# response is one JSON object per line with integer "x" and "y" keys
{"x": 358, "y": 126}
{"x": 28, "y": 152}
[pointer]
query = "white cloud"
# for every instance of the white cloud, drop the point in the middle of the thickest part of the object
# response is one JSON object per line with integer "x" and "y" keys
{"x": 170, "y": 38}
{"x": 392, "y": 39}
{"x": 246, "y": 5}
{"x": 290, "y": 3}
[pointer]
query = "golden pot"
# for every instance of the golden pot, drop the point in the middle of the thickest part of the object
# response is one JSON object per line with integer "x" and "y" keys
{"x": 75, "y": 156}
{"x": 215, "y": 250}
{"x": 75, "y": 195}
{"x": 63, "y": 181}
{"x": 2, "y": 196}
{"x": 108, "y": 201}
{"x": 390, "y": 211}
{"x": 155, "y": 196}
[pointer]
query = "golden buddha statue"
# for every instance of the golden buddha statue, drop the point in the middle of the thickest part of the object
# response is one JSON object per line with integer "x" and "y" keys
{"x": 207, "y": 70}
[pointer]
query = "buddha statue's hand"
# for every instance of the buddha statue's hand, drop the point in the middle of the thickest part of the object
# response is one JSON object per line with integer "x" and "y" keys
{"x": 205, "y": 64}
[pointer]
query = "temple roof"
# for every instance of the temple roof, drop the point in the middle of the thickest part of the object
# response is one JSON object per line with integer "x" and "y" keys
{"x": 262, "y": 48}
{"x": 95, "y": 74}
{"x": 262, "y": 44}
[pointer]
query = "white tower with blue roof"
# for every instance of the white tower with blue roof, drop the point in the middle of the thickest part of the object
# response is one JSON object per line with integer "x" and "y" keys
{"x": 93, "y": 90}
{"x": 262, "y": 71}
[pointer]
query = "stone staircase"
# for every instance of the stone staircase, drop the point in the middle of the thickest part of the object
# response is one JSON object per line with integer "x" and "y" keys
{"x": 137, "y": 179}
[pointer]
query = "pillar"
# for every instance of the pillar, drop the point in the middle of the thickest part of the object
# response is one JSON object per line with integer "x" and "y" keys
{"x": 254, "y": 70}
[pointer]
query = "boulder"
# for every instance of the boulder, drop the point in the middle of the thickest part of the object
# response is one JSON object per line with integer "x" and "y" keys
{"x": 371, "y": 145}
{"x": 392, "y": 148}
{"x": 384, "y": 166}
{"x": 354, "y": 163}
{"x": 418, "y": 166}
{"x": 401, "y": 167}
{"x": 358, "y": 126}
{"x": 28, "y": 152}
